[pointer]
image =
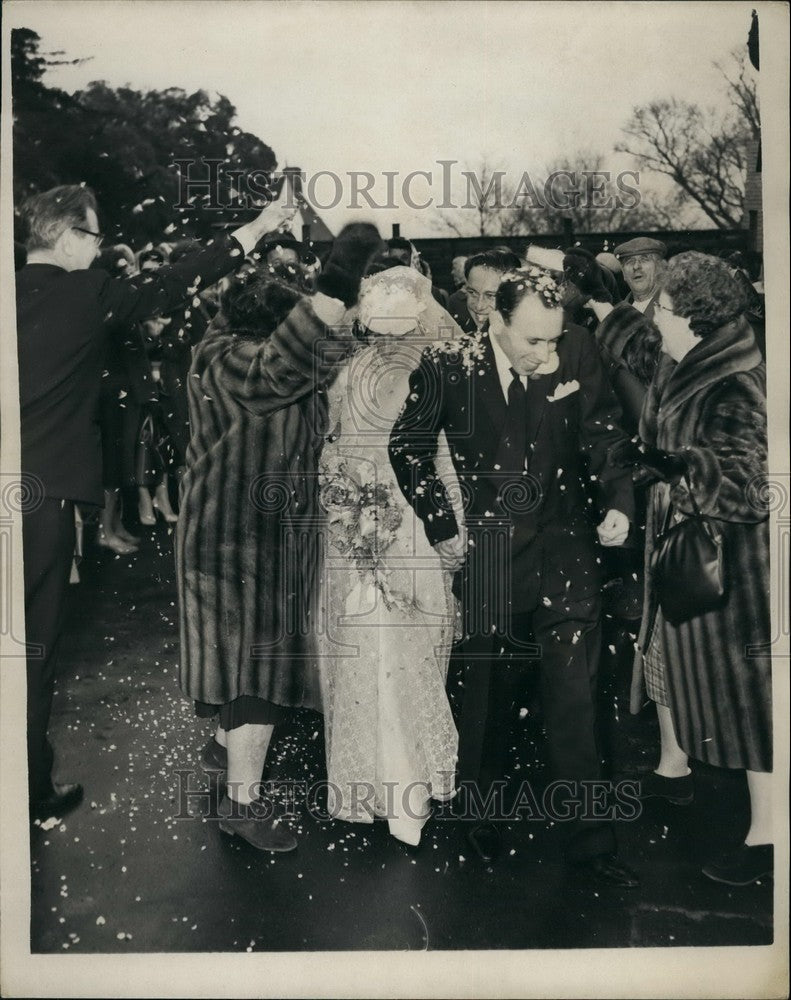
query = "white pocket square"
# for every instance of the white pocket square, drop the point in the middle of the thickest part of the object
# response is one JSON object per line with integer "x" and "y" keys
{"x": 563, "y": 390}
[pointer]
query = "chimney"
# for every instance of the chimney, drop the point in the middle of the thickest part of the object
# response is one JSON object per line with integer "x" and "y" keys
{"x": 293, "y": 177}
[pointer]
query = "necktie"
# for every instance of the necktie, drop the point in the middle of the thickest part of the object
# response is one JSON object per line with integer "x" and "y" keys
{"x": 537, "y": 389}
{"x": 515, "y": 431}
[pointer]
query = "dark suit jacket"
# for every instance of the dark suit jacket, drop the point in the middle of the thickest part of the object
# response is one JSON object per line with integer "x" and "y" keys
{"x": 457, "y": 307}
{"x": 543, "y": 523}
{"x": 63, "y": 320}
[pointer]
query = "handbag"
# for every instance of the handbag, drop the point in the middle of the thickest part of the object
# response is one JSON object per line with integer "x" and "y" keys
{"x": 687, "y": 566}
{"x": 149, "y": 466}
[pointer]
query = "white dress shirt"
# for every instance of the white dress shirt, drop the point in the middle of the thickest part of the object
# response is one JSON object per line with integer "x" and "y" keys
{"x": 504, "y": 367}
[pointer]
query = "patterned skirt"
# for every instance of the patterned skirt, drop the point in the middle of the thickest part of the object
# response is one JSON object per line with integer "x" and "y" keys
{"x": 654, "y": 664}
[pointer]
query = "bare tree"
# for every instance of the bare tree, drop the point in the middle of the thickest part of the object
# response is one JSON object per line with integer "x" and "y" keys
{"x": 743, "y": 89}
{"x": 575, "y": 188}
{"x": 578, "y": 188}
{"x": 704, "y": 152}
{"x": 480, "y": 210}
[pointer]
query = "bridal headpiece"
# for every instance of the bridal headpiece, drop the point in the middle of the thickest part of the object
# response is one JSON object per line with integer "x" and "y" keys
{"x": 392, "y": 302}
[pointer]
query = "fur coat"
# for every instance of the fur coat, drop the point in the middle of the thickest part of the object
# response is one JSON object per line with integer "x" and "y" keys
{"x": 248, "y": 537}
{"x": 711, "y": 409}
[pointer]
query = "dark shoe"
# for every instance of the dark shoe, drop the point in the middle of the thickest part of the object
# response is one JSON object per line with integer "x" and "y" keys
{"x": 214, "y": 757}
{"x": 609, "y": 871}
{"x": 62, "y": 799}
{"x": 623, "y": 599}
{"x": 742, "y": 866}
{"x": 485, "y": 841}
{"x": 679, "y": 791}
{"x": 257, "y": 825}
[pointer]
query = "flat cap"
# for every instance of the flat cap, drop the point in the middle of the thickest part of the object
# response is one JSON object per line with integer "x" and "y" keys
{"x": 641, "y": 244}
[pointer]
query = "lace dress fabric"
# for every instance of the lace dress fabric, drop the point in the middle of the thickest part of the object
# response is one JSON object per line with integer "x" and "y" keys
{"x": 384, "y": 650}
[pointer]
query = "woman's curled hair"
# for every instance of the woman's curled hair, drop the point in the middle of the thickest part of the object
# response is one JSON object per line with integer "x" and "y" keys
{"x": 704, "y": 291}
{"x": 642, "y": 350}
{"x": 255, "y": 305}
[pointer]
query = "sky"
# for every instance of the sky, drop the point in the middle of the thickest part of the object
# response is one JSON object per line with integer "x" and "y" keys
{"x": 342, "y": 86}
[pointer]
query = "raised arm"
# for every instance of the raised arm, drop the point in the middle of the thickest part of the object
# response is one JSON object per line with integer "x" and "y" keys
{"x": 124, "y": 302}
{"x": 304, "y": 349}
{"x": 264, "y": 376}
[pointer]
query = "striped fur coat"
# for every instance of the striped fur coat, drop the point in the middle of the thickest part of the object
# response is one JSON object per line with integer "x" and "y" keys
{"x": 629, "y": 345}
{"x": 711, "y": 408}
{"x": 247, "y": 542}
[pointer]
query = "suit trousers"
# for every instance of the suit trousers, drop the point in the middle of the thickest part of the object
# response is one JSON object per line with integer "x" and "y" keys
{"x": 567, "y": 638}
{"x": 48, "y": 542}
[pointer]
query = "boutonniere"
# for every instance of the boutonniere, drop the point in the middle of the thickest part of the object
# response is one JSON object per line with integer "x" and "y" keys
{"x": 564, "y": 389}
{"x": 549, "y": 367}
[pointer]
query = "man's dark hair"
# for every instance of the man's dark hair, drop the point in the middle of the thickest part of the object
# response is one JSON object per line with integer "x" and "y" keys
{"x": 384, "y": 262}
{"x": 50, "y": 213}
{"x": 398, "y": 244}
{"x": 513, "y": 289}
{"x": 497, "y": 260}
{"x": 152, "y": 256}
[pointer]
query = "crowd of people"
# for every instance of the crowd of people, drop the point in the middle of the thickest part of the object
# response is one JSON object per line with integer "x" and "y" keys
{"x": 391, "y": 501}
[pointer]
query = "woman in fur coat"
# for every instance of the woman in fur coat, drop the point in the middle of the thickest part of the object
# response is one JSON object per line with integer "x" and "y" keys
{"x": 703, "y": 431}
{"x": 248, "y": 533}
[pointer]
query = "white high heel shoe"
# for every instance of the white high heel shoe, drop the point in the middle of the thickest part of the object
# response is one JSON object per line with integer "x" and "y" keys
{"x": 114, "y": 543}
{"x": 167, "y": 514}
{"x": 408, "y": 829}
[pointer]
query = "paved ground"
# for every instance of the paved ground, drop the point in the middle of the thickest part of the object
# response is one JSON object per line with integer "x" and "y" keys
{"x": 124, "y": 873}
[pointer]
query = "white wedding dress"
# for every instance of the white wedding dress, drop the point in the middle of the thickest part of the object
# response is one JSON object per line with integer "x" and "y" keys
{"x": 385, "y": 642}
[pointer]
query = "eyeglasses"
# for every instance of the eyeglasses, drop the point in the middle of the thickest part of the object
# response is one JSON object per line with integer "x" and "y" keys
{"x": 638, "y": 258}
{"x": 658, "y": 305}
{"x": 98, "y": 237}
{"x": 474, "y": 294}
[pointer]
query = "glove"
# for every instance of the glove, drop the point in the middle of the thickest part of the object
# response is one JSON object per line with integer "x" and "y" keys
{"x": 351, "y": 252}
{"x": 582, "y": 270}
{"x": 658, "y": 464}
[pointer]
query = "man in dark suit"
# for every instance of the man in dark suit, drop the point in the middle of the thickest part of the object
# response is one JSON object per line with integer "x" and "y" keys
{"x": 65, "y": 311}
{"x": 530, "y": 419}
{"x": 471, "y": 304}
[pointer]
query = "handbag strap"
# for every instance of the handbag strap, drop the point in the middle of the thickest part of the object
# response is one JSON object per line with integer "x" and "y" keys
{"x": 666, "y": 524}
{"x": 695, "y": 508}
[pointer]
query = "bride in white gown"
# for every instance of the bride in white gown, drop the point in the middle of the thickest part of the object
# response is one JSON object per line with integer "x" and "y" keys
{"x": 388, "y": 613}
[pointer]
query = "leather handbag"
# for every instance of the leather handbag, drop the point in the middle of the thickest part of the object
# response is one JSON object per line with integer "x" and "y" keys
{"x": 149, "y": 466}
{"x": 687, "y": 566}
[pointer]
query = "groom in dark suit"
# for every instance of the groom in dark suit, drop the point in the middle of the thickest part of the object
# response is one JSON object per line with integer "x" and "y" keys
{"x": 529, "y": 418}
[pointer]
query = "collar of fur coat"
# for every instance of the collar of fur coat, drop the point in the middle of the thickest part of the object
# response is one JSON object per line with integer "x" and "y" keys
{"x": 728, "y": 350}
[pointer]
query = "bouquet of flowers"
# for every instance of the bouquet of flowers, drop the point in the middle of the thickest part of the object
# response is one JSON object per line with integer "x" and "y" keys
{"x": 363, "y": 519}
